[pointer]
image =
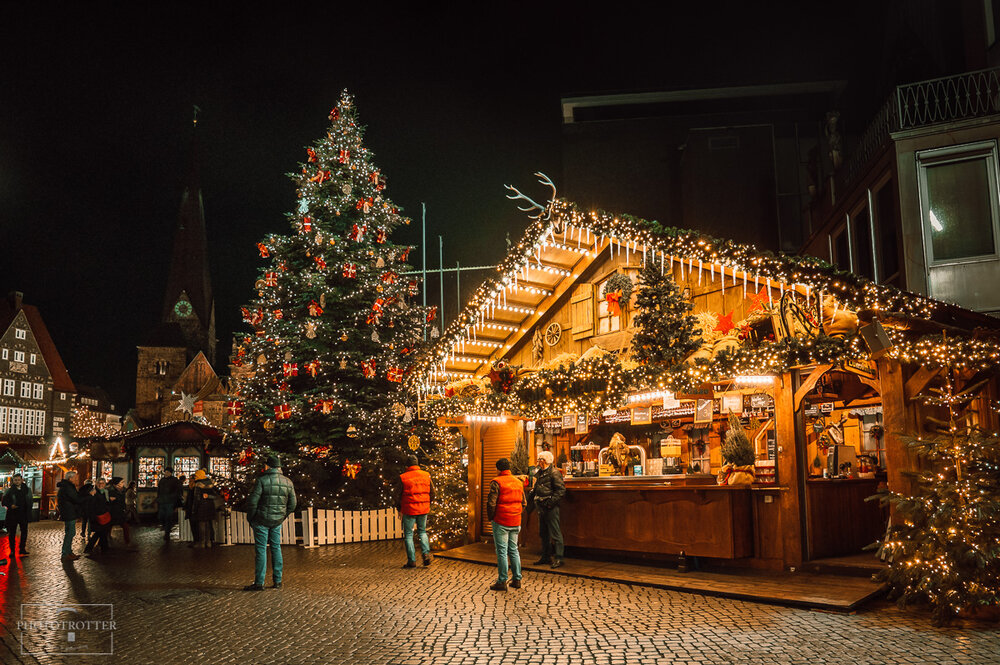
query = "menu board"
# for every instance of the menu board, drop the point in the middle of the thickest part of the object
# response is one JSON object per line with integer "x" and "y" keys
{"x": 642, "y": 415}
{"x": 703, "y": 410}
{"x": 568, "y": 421}
{"x": 732, "y": 403}
{"x": 581, "y": 423}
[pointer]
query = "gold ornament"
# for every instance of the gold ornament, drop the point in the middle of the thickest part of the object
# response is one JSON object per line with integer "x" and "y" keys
{"x": 261, "y": 359}
{"x": 288, "y": 356}
{"x": 398, "y": 410}
{"x": 413, "y": 442}
{"x": 343, "y": 363}
{"x": 346, "y": 189}
{"x": 352, "y": 432}
{"x": 380, "y": 263}
{"x": 322, "y": 300}
{"x": 343, "y": 338}
{"x": 379, "y": 288}
{"x": 310, "y": 330}
{"x": 319, "y": 238}
{"x": 268, "y": 425}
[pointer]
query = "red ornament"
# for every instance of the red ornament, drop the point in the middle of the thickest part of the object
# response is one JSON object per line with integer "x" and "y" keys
{"x": 395, "y": 374}
{"x": 307, "y": 224}
{"x": 270, "y": 279}
{"x": 757, "y": 301}
{"x": 290, "y": 369}
{"x": 405, "y": 253}
{"x": 350, "y": 470}
{"x": 365, "y": 204}
{"x": 344, "y": 156}
{"x": 312, "y": 367}
{"x": 431, "y": 314}
{"x": 283, "y": 267}
{"x": 324, "y": 405}
{"x": 412, "y": 287}
{"x": 335, "y": 113}
{"x": 380, "y": 236}
{"x": 234, "y": 408}
{"x": 389, "y": 277}
{"x": 314, "y": 308}
{"x": 312, "y": 154}
{"x": 350, "y": 270}
{"x": 357, "y": 232}
{"x": 368, "y": 368}
{"x": 320, "y": 176}
{"x": 282, "y": 412}
{"x": 725, "y": 324}
{"x": 320, "y": 262}
{"x": 264, "y": 251}
{"x": 278, "y": 315}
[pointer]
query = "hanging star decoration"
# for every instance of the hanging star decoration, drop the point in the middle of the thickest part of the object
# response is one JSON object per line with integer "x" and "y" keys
{"x": 757, "y": 301}
{"x": 725, "y": 323}
{"x": 186, "y": 403}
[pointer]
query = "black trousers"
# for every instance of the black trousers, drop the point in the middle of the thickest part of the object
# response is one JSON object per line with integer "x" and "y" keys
{"x": 550, "y": 533}
{"x": 12, "y": 530}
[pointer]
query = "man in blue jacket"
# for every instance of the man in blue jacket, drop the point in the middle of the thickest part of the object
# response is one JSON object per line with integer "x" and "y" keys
{"x": 270, "y": 502}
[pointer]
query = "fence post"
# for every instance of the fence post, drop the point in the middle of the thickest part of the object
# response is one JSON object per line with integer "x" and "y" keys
{"x": 308, "y": 516}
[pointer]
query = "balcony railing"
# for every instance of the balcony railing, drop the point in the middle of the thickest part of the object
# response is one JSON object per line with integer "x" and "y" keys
{"x": 924, "y": 103}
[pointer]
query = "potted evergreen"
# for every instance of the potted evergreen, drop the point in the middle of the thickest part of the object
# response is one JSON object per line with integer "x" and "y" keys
{"x": 737, "y": 455}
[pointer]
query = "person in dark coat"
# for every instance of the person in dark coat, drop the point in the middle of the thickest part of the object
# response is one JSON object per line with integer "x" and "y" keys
{"x": 205, "y": 500}
{"x": 84, "y": 520}
{"x": 168, "y": 494}
{"x": 116, "y": 496}
{"x": 98, "y": 510}
{"x": 18, "y": 501}
{"x": 547, "y": 493}
{"x": 193, "y": 524}
{"x": 69, "y": 505}
{"x": 132, "y": 503}
{"x": 270, "y": 502}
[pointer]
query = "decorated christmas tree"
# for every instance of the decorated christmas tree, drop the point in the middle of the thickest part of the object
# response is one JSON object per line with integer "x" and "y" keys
{"x": 943, "y": 547}
{"x": 666, "y": 332}
{"x": 334, "y": 330}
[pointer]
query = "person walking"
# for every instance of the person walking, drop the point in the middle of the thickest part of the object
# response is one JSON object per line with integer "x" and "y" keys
{"x": 504, "y": 505}
{"x": 132, "y": 503}
{"x": 116, "y": 497}
{"x": 18, "y": 501}
{"x": 415, "y": 503}
{"x": 270, "y": 502}
{"x": 189, "y": 512}
{"x": 69, "y": 504}
{"x": 98, "y": 510}
{"x": 205, "y": 501}
{"x": 546, "y": 495}
{"x": 168, "y": 494}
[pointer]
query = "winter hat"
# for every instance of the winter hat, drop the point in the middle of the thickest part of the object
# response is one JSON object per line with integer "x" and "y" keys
{"x": 116, "y": 480}
{"x": 411, "y": 460}
{"x": 273, "y": 462}
{"x": 200, "y": 474}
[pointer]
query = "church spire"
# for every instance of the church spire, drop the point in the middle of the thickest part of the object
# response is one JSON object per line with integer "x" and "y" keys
{"x": 188, "y": 299}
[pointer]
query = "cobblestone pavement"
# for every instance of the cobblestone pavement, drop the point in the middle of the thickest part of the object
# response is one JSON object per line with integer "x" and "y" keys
{"x": 353, "y": 604}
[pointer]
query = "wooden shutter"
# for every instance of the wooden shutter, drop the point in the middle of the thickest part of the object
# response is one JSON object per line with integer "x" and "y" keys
{"x": 497, "y": 441}
{"x": 582, "y": 311}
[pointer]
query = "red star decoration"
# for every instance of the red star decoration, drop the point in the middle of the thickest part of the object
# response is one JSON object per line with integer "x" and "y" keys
{"x": 725, "y": 323}
{"x": 757, "y": 301}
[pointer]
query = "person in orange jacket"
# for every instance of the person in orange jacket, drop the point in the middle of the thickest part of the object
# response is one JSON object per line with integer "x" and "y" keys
{"x": 504, "y": 506}
{"x": 414, "y": 505}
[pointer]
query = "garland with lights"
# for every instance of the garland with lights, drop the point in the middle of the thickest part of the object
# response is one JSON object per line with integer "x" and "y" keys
{"x": 944, "y": 549}
{"x": 334, "y": 330}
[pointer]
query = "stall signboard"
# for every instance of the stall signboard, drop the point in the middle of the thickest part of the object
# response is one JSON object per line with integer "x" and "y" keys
{"x": 568, "y": 421}
{"x": 865, "y": 368}
{"x": 732, "y": 403}
{"x": 670, "y": 402}
{"x": 826, "y": 408}
{"x": 703, "y": 410}
{"x": 642, "y": 415}
{"x": 553, "y": 425}
{"x": 812, "y": 411}
{"x": 760, "y": 401}
{"x": 453, "y": 421}
{"x": 582, "y": 426}
{"x": 614, "y": 416}
{"x": 605, "y": 470}
{"x": 772, "y": 445}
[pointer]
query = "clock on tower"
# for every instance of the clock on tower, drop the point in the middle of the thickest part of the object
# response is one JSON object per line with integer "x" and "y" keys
{"x": 183, "y": 308}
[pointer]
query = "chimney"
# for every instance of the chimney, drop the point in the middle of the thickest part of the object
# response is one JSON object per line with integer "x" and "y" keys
{"x": 15, "y": 298}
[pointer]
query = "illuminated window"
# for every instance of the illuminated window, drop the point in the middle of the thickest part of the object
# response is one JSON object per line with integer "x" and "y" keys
{"x": 101, "y": 469}
{"x": 186, "y": 466}
{"x": 220, "y": 467}
{"x": 150, "y": 469}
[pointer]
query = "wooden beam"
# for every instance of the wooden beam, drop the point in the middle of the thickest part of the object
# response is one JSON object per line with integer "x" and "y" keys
{"x": 789, "y": 469}
{"x": 916, "y": 383}
{"x": 810, "y": 383}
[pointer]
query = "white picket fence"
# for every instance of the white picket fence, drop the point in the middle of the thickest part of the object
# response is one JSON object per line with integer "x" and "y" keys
{"x": 309, "y": 527}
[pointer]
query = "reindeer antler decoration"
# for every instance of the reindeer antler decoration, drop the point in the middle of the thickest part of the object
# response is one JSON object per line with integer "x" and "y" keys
{"x": 543, "y": 210}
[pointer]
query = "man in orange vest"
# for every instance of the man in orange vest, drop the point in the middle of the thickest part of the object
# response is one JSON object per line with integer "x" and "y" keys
{"x": 503, "y": 506}
{"x": 414, "y": 506}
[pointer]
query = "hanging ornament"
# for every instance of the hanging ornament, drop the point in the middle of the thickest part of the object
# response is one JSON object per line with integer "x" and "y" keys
{"x": 314, "y": 308}
{"x": 398, "y": 409}
{"x": 261, "y": 359}
{"x": 346, "y": 189}
{"x": 434, "y": 333}
{"x": 375, "y": 337}
{"x": 368, "y": 368}
{"x": 395, "y": 374}
{"x": 270, "y": 279}
{"x": 350, "y": 470}
{"x": 324, "y": 406}
{"x": 268, "y": 424}
{"x": 320, "y": 177}
{"x": 312, "y": 154}
{"x": 312, "y": 367}
{"x": 380, "y": 236}
{"x": 278, "y": 315}
{"x": 357, "y": 232}
{"x": 379, "y": 288}
{"x": 431, "y": 314}
{"x": 343, "y": 337}
{"x": 290, "y": 369}
{"x": 282, "y": 412}
{"x": 311, "y": 329}
{"x": 352, "y": 431}
{"x": 234, "y": 408}
{"x": 343, "y": 363}
{"x": 307, "y": 225}
{"x": 389, "y": 277}
{"x": 380, "y": 262}
{"x": 334, "y": 114}
{"x": 405, "y": 253}
{"x": 344, "y": 156}
{"x": 413, "y": 442}
{"x": 408, "y": 416}
{"x": 264, "y": 251}
{"x": 365, "y": 205}
{"x": 288, "y": 356}
{"x": 350, "y": 270}
{"x": 320, "y": 262}
{"x": 319, "y": 238}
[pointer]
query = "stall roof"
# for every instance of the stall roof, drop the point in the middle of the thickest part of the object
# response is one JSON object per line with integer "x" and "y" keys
{"x": 179, "y": 432}
{"x": 562, "y": 242}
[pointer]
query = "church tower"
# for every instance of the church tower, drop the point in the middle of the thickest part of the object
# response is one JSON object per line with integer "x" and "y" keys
{"x": 187, "y": 321}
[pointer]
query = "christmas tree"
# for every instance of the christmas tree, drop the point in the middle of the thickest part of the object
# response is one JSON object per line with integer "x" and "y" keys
{"x": 943, "y": 547}
{"x": 665, "y": 329}
{"x": 334, "y": 329}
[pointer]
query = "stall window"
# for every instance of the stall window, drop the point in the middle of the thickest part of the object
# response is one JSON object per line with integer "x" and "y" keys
{"x": 958, "y": 194}
{"x": 186, "y": 466}
{"x": 887, "y": 233}
{"x": 606, "y": 321}
{"x": 149, "y": 471}
{"x": 101, "y": 469}
{"x": 220, "y": 467}
{"x": 840, "y": 248}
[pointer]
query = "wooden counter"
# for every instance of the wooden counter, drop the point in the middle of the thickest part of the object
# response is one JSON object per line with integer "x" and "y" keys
{"x": 840, "y": 521}
{"x": 656, "y": 514}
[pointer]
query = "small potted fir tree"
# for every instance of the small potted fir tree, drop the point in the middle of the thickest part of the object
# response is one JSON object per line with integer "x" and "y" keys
{"x": 737, "y": 455}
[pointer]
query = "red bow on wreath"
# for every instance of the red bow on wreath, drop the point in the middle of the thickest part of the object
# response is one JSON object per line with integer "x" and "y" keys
{"x": 350, "y": 270}
{"x": 614, "y": 302}
{"x": 358, "y": 232}
{"x": 368, "y": 368}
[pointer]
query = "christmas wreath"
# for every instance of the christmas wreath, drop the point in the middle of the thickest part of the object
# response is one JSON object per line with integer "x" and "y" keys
{"x": 502, "y": 377}
{"x": 616, "y": 290}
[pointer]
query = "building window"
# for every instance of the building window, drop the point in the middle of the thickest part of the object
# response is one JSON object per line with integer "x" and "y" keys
{"x": 62, "y": 396}
{"x": 863, "y": 250}
{"x": 16, "y": 420}
{"x": 186, "y": 466}
{"x": 220, "y": 467}
{"x": 39, "y": 423}
{"x": 38, "y": 391}
{"x": 886, "y": 232}
{"x": 32, "y": 358}
{"x": 101, "y": 469}
{"x": 8, "y": 387}
{"x": 958, "y": 200}
{"x": 606, "y": 321}
{"x": 20, "y": 334}
{"x": 160, "y": 367}
{"x": 840, "y": 248}
{"x": 26, "y": 389}
{"x": 3, "y": 420}
{"x": 6, "y": 354}
{"x": 150, "y": 469}
{"x": 19, "y": 356}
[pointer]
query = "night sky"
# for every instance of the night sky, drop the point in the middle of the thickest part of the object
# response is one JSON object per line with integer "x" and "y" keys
{"x": 95, "y": 116}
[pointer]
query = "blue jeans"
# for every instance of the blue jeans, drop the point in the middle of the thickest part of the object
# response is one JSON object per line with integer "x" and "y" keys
{"x": 425, "y": 545}
{"x": 68, "y": 537}
{"x": 262, "y": 537}
{"x": 505, "y": 541}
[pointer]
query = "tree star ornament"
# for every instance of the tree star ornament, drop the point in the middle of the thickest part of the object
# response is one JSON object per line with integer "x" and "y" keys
{"x": 186, "y": 403}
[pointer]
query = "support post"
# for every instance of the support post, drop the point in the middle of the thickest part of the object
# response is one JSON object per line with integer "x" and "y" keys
{"x": 441, "y": 277}
{"x": 423, "y": 249}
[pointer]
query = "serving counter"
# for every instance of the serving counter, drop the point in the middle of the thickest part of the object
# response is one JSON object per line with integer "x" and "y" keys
{"x": 655, "y": 515}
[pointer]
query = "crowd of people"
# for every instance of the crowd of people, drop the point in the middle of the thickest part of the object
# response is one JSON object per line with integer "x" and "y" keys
{"x": 101, "y": 505}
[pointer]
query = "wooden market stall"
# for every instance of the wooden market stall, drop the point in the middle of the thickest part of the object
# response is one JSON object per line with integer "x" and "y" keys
{"x": 821, "y": 371}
